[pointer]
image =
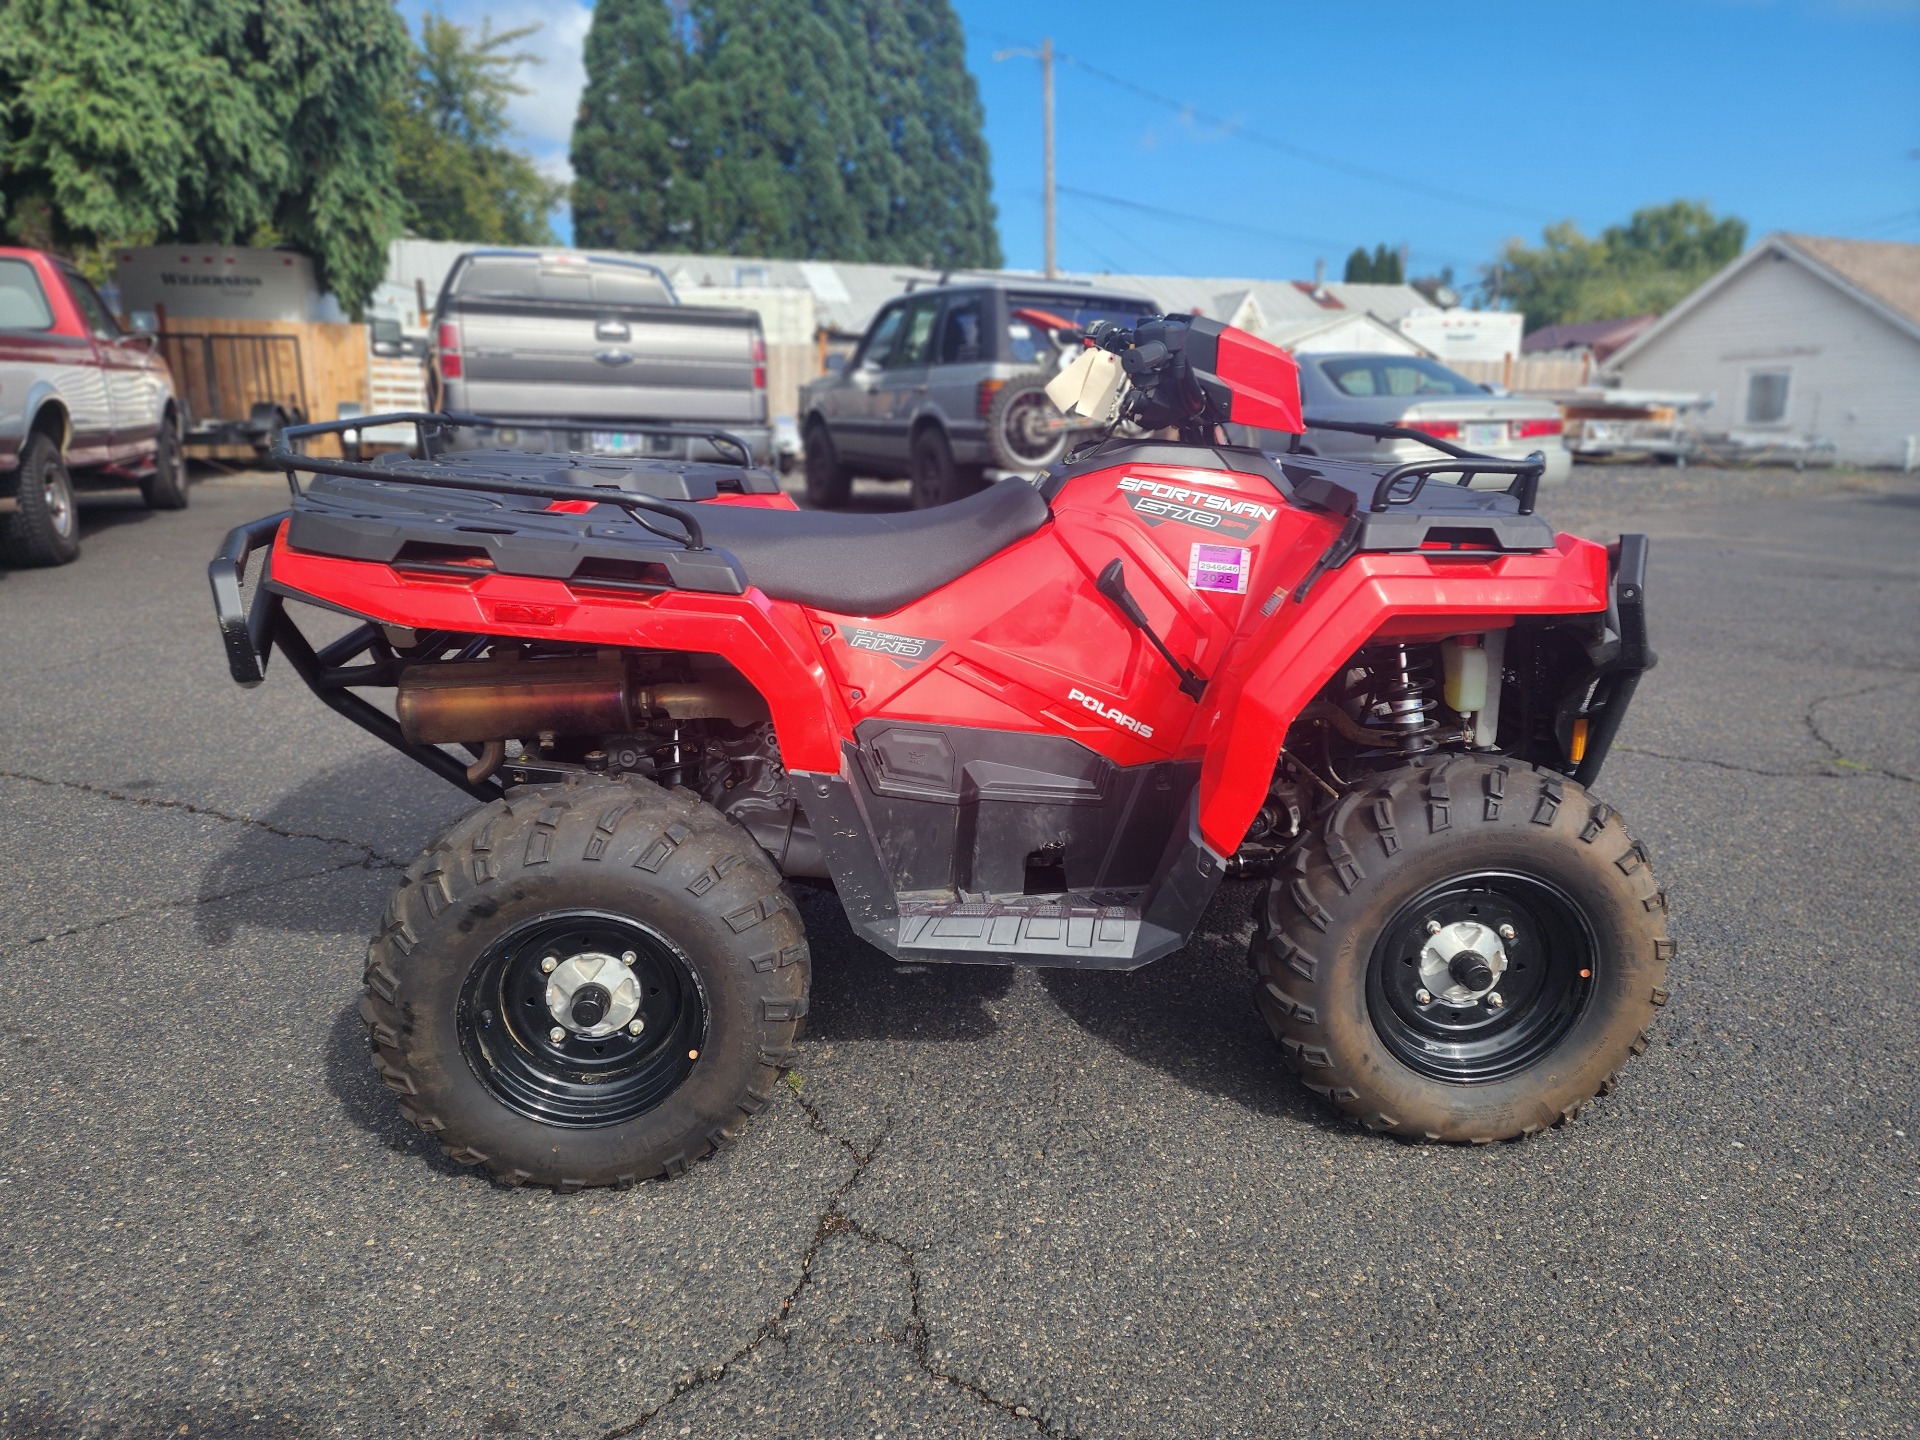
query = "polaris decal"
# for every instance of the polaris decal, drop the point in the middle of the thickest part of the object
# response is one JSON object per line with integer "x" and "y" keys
{"x": 1108, "y": 713}
{"x": 1155, "y": 500}
{"x": 906, "y": 651}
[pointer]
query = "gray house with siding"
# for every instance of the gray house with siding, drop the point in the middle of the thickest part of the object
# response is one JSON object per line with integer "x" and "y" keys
{"x": 1803, "y": 341}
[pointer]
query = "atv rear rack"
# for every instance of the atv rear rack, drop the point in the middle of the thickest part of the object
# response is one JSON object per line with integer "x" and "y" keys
{"x": 429, "y": 424}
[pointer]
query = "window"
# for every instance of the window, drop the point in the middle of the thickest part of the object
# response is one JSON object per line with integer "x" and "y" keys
{"x": 961, "y": 332}
{"x": 873, "y": 350}
{"x": 1767, "y": 397}
{"x": 1396, "y": 375}
{"x": 916, "y": 334}
{"x": 93, "y": 309}
{"x": 23, "y": 304}
{"x": 1028, "y": 338}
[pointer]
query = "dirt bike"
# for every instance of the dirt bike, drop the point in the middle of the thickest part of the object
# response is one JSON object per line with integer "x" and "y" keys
{"x": 1039, "y": 726}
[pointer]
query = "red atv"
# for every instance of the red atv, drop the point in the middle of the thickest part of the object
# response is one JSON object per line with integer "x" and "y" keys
{"x": 1038, "y": 726}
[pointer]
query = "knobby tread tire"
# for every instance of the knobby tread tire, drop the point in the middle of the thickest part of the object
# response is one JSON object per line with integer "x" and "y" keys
{"x": 1341, "y": 883}
{"x": 668, "y": 860}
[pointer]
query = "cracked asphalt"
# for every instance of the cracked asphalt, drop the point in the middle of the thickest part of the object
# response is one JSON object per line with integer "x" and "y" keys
{"x": 986, "y": 1202}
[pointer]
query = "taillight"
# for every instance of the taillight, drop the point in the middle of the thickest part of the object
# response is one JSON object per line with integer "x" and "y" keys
{"x": 1527, "y": 429}
{"x": 983, "y": 397}
{"x": 759, "y": 363}
{"x": 449, "y": 348}
{"x": 1439, "y": 429}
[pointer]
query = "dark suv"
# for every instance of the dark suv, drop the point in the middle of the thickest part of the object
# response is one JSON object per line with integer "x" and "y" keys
{"x": 915, "y": 398}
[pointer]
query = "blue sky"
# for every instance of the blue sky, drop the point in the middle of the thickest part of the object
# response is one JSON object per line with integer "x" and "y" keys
{"x": 1292, "y": 132}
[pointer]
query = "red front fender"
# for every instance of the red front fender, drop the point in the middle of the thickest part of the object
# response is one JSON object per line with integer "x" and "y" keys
{"x": 1402, "y": 596}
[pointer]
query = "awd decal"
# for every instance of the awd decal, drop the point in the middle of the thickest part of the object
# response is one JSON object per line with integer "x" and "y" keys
{"x": 1108, "y": 713}
{"x": 1156, "y": 500}
{"x": 906, "y": 651}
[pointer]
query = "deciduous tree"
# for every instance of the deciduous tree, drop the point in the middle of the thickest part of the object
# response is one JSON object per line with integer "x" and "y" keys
{"x": 204, "y": 121}
{"x": 1648, "y": 264}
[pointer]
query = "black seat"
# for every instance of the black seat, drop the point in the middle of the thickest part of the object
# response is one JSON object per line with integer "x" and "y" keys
{"x": 871, "y": 564}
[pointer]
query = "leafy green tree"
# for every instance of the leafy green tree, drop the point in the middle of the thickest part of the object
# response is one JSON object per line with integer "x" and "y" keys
{"x": 1647, "y": 265}
{"x": 842, "y": 128}
{"x": 1359, "y": 267}
{"x": 457, "y": 180}
{"x": 203, "y": 121}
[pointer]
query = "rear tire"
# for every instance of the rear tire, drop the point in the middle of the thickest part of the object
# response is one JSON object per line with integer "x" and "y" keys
{"x": 166, "y": 488}
{"x": 936, "y": 479}
{"x": 828, "y": 485}
{"x": 1471, "y": 845}
{"x": 459, "y": 1000}
{"x": 45, "y": 530}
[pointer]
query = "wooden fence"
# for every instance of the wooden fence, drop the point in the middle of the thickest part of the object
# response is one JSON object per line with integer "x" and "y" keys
{"x": 1524, "y": 375}
{"x": 324, "y": 367}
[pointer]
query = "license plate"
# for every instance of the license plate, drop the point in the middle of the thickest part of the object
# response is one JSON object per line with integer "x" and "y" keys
{"x": 626, "y": 442}
{"x": 1492, "y": 432}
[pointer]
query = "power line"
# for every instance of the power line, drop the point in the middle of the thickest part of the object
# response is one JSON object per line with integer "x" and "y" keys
{"x": 1186, "y": 218}
{"x": 1301, "y": 152}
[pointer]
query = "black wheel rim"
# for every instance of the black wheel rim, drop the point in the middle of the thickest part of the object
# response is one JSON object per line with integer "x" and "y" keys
{"x": 1021, "y": 429}
{"x": 580, "y": 1081}
{"x": 1550, "y": 967}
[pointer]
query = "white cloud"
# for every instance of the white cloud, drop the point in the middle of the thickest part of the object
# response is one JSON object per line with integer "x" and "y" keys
{"x": 543, "y": 117}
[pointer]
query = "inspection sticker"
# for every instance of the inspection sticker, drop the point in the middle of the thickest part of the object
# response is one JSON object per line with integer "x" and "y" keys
{"x": 1219, "y": 567}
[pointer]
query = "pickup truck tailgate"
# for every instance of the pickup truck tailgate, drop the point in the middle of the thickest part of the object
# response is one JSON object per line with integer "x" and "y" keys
{"x": 628, "y": 362}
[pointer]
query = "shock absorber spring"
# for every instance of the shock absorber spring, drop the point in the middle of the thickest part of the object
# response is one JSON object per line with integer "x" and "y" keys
{"x": 1401, "y": 696}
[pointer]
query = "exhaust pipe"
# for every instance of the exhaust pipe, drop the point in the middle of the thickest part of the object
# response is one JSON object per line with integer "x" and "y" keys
{"x": 477, "y": 701}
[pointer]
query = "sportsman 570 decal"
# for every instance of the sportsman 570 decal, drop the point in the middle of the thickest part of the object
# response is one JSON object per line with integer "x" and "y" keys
{"x": 1225, "y": 515}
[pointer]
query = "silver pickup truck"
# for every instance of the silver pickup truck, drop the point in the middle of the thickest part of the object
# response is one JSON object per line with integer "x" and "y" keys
{"x": 524, "y": 334}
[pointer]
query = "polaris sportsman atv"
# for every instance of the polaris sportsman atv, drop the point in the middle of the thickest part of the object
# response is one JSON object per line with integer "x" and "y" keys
{"x": 1038, "y": 726}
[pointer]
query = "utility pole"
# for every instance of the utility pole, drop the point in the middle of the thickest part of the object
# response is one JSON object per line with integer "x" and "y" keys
{"x": 1045, "y": 56}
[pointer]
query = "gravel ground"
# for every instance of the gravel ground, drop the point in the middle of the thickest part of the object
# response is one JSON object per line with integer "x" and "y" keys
{"x": 987, "y": 1202}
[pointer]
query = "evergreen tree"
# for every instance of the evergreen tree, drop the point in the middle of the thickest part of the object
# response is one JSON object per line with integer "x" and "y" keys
{"x": 458, "y": 180}
{"x": 1359, "y": 267}
{"x": 1386, "y": 266}
{"x": 841, "y": 128}
{"x": 631, "y": 189}
{"x": 211, "y": 122}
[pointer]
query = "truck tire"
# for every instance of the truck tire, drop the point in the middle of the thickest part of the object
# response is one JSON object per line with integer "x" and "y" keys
{"x": 166, "y": 487}
{"x": 828, "y": 484}
{"x": 578, "y": 910}
{"x": 45, "y": 529}
{"x": 936, "y": 479}
{"x": 1452, "y": 854}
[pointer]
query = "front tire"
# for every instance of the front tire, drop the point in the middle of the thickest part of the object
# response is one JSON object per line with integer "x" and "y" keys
{"x": 586, "y": 984}
{"x": 45, "y": 529}
{"x": 1466, "y": 949}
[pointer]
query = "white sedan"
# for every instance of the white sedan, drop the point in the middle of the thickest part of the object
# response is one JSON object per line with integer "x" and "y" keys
{"x": 1420, "y": 394}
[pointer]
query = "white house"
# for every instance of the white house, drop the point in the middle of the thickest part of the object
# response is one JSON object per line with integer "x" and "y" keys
{"x": 1802, "y": 341}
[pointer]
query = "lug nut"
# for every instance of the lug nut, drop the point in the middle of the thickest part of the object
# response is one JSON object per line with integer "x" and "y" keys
{"x": 1495, "y": 999}
{"x": 1433, "y": 927}
{"x": 1507, "y": 932}
{"x": 557, "y": 1034}
{"x": 636, "y": 1027}
{"x": 548, "y": 965}
{"x": 627, "y": 957}
{"x": 1424, "y": 996}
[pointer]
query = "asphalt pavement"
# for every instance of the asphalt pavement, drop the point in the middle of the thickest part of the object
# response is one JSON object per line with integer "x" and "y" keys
{"x": 987, "y": 1202}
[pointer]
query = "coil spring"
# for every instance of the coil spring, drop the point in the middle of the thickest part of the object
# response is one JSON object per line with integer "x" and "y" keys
{"x": 1402, "y": 688}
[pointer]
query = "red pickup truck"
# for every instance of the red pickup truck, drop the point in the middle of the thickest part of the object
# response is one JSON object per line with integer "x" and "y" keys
{"x": 82, "y": 401}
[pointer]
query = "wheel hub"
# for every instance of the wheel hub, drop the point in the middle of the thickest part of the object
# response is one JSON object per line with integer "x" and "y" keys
{"x": 1462, "y": 962}
{"x": 593, "y": 994}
